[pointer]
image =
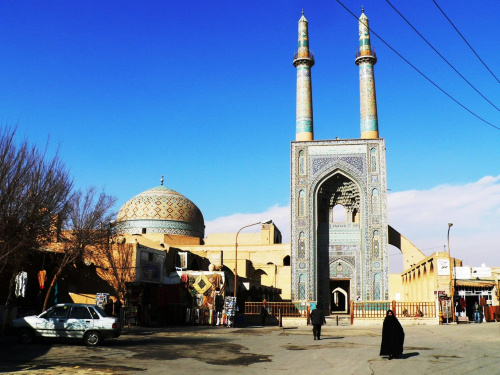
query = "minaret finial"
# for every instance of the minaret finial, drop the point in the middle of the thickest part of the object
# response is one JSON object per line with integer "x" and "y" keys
{"x": 303, "y": 61}
{"x": 161, "y": 181}
{"x": 362, "y": 9}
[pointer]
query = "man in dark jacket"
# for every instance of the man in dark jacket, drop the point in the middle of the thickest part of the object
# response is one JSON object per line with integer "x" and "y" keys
{"x": 317, "y": 320}
{"x": 108, "y": 307}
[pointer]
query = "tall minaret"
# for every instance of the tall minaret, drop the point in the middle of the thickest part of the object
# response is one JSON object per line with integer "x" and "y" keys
{"x": 303, "y": 61}
{"x": 366, "y": 59}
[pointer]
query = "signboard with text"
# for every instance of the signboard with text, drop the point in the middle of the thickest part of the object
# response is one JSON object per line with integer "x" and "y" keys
{"x": 462, "y": 273}
{"x": 443, "y": 266}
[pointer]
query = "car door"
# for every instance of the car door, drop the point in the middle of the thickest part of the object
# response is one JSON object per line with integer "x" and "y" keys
{"x": 52, "y": 322}
{"x": 79, "y": 321}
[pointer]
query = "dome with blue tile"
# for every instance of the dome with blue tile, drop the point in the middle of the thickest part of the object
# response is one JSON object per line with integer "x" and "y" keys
{"x": 161, "y": 210}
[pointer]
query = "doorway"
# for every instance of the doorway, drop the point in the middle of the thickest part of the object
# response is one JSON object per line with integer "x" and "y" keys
{"x": 339, "y": 296}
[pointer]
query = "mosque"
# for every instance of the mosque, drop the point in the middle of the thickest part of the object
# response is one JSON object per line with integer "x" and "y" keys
{"x": 340, "y": 236}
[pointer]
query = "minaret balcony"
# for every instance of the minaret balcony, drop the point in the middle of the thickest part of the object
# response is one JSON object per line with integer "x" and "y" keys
{"x": 303, "y": 56}
{"x": 366, "y": 55}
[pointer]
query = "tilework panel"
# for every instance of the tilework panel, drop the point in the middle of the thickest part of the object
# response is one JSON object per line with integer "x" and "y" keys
{"x": 367, "y": 259}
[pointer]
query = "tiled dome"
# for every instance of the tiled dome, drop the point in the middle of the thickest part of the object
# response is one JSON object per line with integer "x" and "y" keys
{"x": 161, "y": 210}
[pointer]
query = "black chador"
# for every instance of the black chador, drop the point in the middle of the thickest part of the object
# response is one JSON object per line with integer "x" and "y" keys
{"x": 393, "y": 336}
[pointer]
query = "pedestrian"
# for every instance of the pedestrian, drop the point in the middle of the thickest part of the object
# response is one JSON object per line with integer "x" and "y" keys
{"x": 477, "y": 312}
{"x": 118, "y": 307}
{"x": 317, "y": 320}
{"x": 263, "y": 312}
{"x": 108, "y": 307}
{"x": 219, "y": 307}
{"x": 393, "y": 336}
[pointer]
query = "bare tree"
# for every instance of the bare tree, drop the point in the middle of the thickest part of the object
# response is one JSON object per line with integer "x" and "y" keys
{"x": 33, "y": 191}
{"x": 115, "y": 263}
{"x": 83, "y": 229}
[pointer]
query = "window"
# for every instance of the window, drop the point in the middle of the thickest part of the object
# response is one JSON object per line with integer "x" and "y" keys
{"x": 302, "y": 203}
{"x": 286, "y": 260}
{"x": 80, "y": 312}
{"x": 58, "y": 312}
{"x": 94, "y": 313}
{"x": 302, "y": 162}
{"x": 374, "y": 159}
{"x": 339, "y": 214}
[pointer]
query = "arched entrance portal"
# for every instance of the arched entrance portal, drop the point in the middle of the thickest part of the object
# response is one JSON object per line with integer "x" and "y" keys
{"x": 339, "y": 241}
{"x": 339, "y": 297}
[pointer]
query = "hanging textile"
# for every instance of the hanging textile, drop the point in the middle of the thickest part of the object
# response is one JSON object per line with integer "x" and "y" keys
{"x": 185, "y": 280}
{"x": 42, "y": 278}
{"x": 216, "y": 281}
{"x": 21, "y": 279}
{"x": 202, "y": 284}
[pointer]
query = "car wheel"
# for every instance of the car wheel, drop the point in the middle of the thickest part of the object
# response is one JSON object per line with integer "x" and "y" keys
{"x": 92, "y": 338}
{"x": 26, "y": 335}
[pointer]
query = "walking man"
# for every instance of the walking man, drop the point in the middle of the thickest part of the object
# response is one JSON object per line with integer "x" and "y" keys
{"x": 317, "y": 320}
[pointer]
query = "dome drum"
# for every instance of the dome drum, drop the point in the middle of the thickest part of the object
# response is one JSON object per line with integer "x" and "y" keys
{"x": 161, "y": 226}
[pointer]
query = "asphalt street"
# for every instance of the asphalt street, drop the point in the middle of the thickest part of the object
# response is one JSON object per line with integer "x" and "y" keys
{"x": 446, "y": 349}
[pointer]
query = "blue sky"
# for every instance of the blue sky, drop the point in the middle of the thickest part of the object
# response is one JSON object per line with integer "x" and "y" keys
{"x": 204, "y": 93}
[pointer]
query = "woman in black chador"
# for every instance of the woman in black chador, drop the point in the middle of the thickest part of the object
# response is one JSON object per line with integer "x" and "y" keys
{"x": 393, "y": 336}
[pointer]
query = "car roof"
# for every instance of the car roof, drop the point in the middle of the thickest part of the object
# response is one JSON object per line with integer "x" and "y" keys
{"x": 75, "y": 304}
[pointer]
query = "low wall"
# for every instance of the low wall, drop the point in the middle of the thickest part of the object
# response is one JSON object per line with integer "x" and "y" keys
{"x": 403, "y": 321}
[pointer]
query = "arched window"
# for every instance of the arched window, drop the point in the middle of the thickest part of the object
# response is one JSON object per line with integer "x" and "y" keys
{"x": 302, "y": 286}
{"x": 302, "y": 203}
{"x": 376, "y": 244}
{"x": 286, "y": 261}
{"x": 302, "y": 163}
{"x": 375, "y": 201}
{"x": 373, "y": 155}
{"x": 302, "y": 245}
{"x": 194, "y": 265}
{"x": 377, "y": 279}
{"x": 355, "y": 216}
{"x": 339, "y": 214}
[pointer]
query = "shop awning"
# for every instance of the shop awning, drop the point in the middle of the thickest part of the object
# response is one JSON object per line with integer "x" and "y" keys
{"x": 476, "y": 283}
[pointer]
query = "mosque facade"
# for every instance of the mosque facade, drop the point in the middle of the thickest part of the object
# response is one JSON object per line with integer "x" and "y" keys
{"x": 335, "y": 258}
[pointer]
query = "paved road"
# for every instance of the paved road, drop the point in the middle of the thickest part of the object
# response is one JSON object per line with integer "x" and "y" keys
{"x": 453, "y": 349}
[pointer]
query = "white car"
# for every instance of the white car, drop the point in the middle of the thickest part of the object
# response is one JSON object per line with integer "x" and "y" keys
{"x": 69, "y": 320}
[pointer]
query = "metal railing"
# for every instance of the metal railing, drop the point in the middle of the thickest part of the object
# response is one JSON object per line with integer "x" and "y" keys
{"x": 310, "y": 55}
{"x": 369, "y": 310}
{"x": 401, "y": 309}
{"x": 288, "y": 309}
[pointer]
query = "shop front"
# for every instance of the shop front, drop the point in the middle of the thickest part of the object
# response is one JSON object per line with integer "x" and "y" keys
{"x": 468, "y": 292}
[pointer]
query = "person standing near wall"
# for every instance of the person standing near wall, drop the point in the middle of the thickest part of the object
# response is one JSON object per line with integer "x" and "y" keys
{"x": 118, "y": 308}
{"x": 317, "y": 320}
{"x": 263, "y": 312}
{"x": 477, "y": 312}
{"x": 219, "y": 306}
{"x": 108, "y": 307}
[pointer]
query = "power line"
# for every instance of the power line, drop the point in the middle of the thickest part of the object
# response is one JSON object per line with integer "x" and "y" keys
{"x": 442, "y": 57}
{"x": 472, "y": 49}
{"x": 422, "y": 74}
